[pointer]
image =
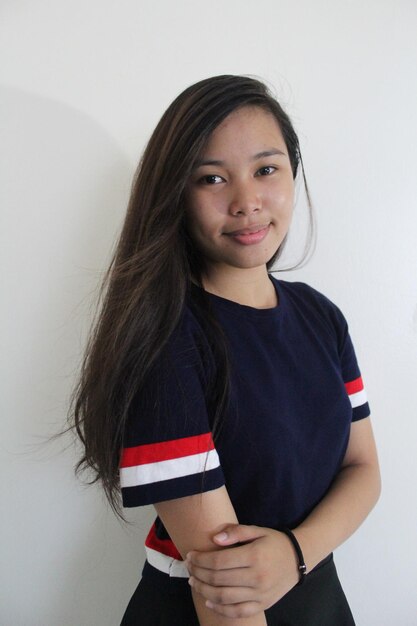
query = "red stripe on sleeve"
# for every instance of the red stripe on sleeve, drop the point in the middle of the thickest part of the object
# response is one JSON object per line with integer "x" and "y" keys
{"x": 165, "y": 546}
{"x": 165, "y": 450}
{"x": 354, "y": 386}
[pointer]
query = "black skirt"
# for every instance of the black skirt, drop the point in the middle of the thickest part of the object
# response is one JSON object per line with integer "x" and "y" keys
{"x": 319, "y": 601}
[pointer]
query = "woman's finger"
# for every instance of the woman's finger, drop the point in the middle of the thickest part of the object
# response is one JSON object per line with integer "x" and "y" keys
{"x": 229, "y": 558}
{"x": 244, "y": 609}
{"x": 236, "y": 577}
{"x": 238, "y": 533}
{"x": 223, "y": 595}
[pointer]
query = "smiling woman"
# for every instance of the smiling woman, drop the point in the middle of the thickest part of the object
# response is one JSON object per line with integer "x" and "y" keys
{"x": 239, "y": 200}
{"x": 230, "y": 400}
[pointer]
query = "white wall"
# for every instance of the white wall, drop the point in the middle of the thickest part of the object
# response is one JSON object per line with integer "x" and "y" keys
{"x": 83, "y": 84}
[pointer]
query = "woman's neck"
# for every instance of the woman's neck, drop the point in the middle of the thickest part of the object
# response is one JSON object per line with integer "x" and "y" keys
{"x": 247, "y": 287}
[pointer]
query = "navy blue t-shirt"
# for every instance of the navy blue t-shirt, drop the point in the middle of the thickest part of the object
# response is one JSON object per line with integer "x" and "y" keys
{"x": 295, "y": 389}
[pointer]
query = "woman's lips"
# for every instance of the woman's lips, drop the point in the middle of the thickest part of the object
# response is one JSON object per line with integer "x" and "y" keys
{"x": 250, "y": 238}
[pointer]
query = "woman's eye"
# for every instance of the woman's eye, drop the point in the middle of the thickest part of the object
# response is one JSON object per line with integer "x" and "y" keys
{"x": 265, "y": 171}
{"x": 211, "y": 179}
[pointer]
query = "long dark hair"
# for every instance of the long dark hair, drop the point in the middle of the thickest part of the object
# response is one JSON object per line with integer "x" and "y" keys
{"x": 151, "y": 272}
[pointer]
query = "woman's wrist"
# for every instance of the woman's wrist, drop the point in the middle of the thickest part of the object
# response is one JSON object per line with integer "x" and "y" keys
{"x": 301, "y": 565}
{"x": 303, "y": 539}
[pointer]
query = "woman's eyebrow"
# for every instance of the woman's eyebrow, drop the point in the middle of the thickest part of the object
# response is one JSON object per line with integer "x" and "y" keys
{"x": 258, "y": 155}
{"x": 267, "y": 153}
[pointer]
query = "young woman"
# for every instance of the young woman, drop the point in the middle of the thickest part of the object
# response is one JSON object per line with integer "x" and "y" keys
{"x": 230, "y": 400}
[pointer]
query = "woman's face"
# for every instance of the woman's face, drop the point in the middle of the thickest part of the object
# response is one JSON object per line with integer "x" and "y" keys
{"x": 242, "y": 182}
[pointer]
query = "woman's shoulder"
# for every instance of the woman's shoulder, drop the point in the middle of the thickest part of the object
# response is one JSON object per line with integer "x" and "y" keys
{"x": 188, "y": 343}
{"x": 300, "y": 291}
{"x": 189, "y": 328}
{"x": 310, "y": 301}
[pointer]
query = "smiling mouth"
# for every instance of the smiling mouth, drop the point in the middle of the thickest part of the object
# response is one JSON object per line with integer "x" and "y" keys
{"x": 249, "y": 231}
{"x": 250, "y": 237}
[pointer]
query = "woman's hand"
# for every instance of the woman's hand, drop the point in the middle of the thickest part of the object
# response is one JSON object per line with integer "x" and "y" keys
{"x": 246, "y": 579}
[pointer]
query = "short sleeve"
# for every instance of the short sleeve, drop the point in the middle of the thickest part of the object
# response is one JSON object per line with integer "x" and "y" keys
{"x": 168, "y": 450}
{"x": 333, "y": 327}
{"x": 352, "y": 377}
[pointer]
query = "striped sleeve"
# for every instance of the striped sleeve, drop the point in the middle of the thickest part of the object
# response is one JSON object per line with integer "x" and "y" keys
{"x": 352, "y": 378}
{"x": 168, "y": 446}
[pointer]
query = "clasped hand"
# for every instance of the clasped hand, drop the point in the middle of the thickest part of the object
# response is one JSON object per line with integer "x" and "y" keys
{"x": 243, "y": 580}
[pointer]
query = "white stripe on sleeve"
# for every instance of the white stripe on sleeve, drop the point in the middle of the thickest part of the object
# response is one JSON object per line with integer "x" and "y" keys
{"x": 166, "y": 564}
{"x": 358, "y": 398}
{"x": 166, "y": 470}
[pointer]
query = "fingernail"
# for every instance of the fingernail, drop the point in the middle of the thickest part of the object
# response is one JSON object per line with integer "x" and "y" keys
{"x": 191, "y": 581}
{"x": 222, "y": 536}
{"x": 209, "y": 604}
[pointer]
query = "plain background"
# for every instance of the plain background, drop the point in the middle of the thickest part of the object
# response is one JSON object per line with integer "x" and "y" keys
{"x": 82, "y": 86}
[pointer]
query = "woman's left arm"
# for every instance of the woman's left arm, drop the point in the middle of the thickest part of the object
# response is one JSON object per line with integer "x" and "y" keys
{"x": 348, "y": 502}
{"x": 267, "y": 563}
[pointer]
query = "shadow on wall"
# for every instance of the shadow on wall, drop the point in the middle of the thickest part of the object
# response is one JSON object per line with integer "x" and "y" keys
{"x": 65, "y": 186}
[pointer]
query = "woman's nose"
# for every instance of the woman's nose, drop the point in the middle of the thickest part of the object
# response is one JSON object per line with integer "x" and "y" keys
{"x": 245, "y": 199}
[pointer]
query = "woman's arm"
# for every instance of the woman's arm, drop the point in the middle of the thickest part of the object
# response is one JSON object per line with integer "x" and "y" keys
{"x": 352, "y": 496}
{"x": 268, "y": 561}
{"x": 191, "y": 523}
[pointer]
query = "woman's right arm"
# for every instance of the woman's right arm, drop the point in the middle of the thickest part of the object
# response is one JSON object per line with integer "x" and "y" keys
{"x": 191, "y": 523}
